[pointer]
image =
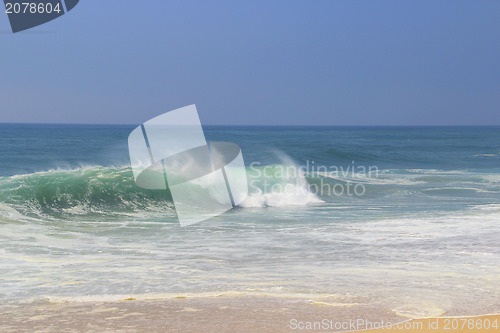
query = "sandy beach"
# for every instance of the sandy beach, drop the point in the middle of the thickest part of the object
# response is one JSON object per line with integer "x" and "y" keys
{"x": 214, "y": 314}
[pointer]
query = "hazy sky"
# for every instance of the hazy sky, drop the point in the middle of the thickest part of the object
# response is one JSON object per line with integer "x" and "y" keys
{"x": 258, "y": 63}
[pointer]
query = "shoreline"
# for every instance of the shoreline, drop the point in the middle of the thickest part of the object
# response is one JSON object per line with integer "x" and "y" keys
{"x": 234, "y": 313}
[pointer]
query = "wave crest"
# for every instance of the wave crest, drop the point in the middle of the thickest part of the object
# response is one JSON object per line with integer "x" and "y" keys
{"x": 94, "y": 190}
{"x": 111, "y": 191}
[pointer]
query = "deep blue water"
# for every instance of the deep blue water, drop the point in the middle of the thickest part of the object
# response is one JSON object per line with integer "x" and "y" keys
{"x": 27, "y": 148}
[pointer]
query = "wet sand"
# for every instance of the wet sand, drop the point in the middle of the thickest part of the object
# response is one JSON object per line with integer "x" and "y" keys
{"x": 214, "y": 314}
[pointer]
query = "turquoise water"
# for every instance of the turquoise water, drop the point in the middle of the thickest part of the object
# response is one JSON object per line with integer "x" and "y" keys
{"x": 420, "y": 235}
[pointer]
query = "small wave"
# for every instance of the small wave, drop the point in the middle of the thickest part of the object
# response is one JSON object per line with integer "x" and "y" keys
{"x": 309, "y": 297}
{"x": 371, "y": 179}
{"x": 491, "y": 208}
{"x": 336, "y": 305}
{"x": 488, "y": 155}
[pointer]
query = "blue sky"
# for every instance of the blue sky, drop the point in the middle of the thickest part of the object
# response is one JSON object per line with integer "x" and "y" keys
{"x": 258, "y": 63}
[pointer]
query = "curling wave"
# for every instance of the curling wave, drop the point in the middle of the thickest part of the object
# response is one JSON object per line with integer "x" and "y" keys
{"x": 112, "y": 190}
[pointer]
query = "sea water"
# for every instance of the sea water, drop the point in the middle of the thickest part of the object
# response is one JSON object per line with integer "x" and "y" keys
{"x": 420, "y": 234}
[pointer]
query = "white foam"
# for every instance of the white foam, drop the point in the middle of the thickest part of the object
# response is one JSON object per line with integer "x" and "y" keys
{"x": 291, "y": 195}
{"x": 425, "y": 310}
{"x": 292, "y": 189}
{"x": 372, "y": 180}
{"x": 172, "y": 296}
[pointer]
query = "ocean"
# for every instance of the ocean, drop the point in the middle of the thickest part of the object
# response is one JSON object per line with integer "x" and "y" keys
{"x": 404, "y": 217}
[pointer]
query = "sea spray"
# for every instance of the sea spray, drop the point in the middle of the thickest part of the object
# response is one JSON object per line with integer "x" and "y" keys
{"x": 279, "y": 185}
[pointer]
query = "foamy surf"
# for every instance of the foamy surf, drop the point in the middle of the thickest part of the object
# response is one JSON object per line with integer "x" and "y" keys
{"x": 425, "y": 227}
{"x": 291, "y": 195}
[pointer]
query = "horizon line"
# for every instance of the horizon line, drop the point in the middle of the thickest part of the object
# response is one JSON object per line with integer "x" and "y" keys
{"x": 248, "y": 125}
